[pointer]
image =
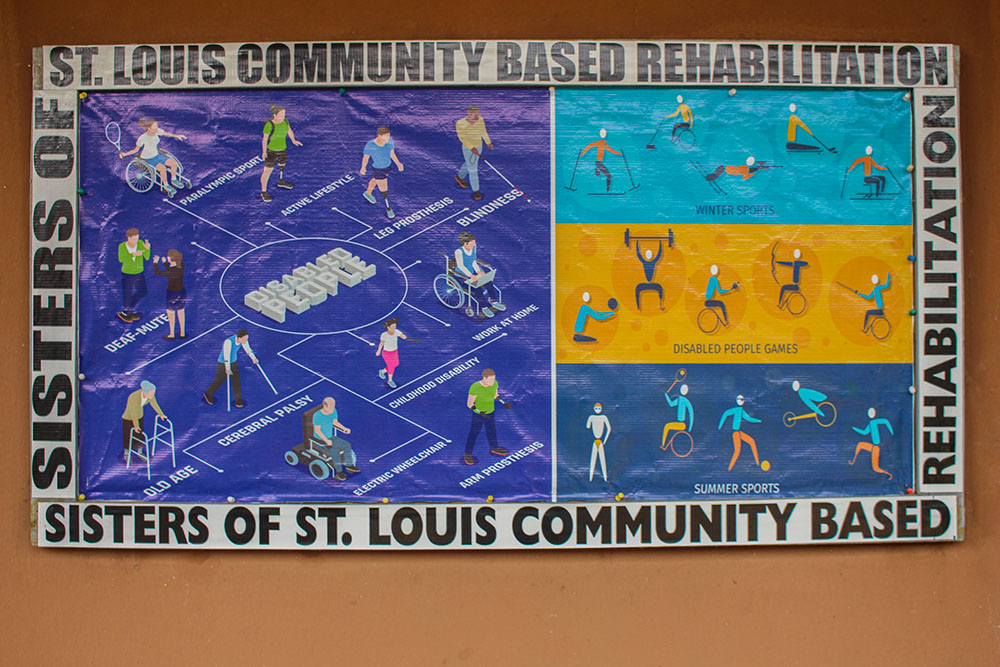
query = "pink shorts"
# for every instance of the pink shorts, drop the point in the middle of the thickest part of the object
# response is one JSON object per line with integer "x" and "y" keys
{"x": 391, "y": 360}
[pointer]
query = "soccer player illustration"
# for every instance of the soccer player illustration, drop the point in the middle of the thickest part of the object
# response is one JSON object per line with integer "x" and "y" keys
{"x": 388, "y": 349}
{"x": 794, "y": 144}
{"x": 744, "y": 171}
{"x": 817, "y": 407}
{"x": 875, "y": 322}
{"x": 382, "y": 152}
{"x": 274, "y": 149}
{"x": 149, "y": 144}
{"x": 739, "y": 415}
{"x": 601, "y": 427}
{"x": 872, "y": 430}
{"x": 482, "y": 401}
{"x": 790, "y": 296}
{"x": 714, "y": 313}
{"x": 586, "y": 313}
{"x": 131, "y": 253}
{"x": 874, "y": 182}
{"x": 471, "y": 130}
{"x": 173, "y": 271}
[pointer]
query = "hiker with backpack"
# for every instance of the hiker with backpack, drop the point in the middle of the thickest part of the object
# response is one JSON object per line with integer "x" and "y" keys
{"x": 274, "y": 149}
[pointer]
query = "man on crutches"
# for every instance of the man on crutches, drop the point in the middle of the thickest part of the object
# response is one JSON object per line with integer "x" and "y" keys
{"x": 227, "y": 367}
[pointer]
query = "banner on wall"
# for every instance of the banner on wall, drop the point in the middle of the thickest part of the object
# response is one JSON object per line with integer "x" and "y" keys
{"x": 467, "y": 309}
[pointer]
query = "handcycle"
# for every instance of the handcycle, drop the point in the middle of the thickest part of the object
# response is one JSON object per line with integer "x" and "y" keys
{"x": 824, "y": 420}
{"x": 140, "y": 175}
{"x": 455, "y": 290}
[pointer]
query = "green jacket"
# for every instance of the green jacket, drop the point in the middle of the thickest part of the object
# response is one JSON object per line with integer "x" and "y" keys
{"x": 132, "y": 265}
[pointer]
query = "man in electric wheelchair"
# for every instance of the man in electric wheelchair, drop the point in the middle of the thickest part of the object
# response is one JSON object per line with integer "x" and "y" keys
{"x": 321, "y": 449}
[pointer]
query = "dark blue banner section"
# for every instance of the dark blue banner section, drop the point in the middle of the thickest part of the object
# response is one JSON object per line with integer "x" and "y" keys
{"x": 646, "y": 431}
{"x": 272, "y": 306}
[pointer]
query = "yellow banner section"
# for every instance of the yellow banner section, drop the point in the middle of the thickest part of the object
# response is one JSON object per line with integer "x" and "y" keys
{"x": 704, "y": 293}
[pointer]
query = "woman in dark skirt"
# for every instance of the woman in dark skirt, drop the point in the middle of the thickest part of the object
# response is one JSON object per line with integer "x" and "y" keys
{"x": 173, "y": 269}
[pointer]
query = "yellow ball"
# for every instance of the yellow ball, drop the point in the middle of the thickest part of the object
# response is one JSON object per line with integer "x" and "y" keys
{"x": 765, "y": 465}
{"x": 385, "y": 501}
{"x": 83, "y": 95}
{"x": 619, "y": 496}
{"x": 489, "y": 499}
{"x": 81, "y": 497}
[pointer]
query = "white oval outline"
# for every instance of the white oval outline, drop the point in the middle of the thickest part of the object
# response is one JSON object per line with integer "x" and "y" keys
{"x": 406, "y": 286}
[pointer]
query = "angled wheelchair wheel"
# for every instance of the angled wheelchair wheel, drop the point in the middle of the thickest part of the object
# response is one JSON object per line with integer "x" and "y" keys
{"x": 319, "y": 470}
{"x": 291, "y": 458}
{"x": 789, "y": 419}
{"x": 708, "y": 320}
{"x": 829, "y": 416}
{"x": 880, "y": 328}
{"x": 448, "y": 291}
{"x": 677, "y": 444}
{"x": 686, "y": 139}
{"x": 139, "y": 176}
{"x": 795, "y": 304}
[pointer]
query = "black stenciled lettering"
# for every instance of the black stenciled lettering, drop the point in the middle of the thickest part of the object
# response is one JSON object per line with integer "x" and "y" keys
{"x": 58, "y": 57}
{"x": 724, "y": 69}
{"x": 278, "y": 63}
{"x": 473, "y": 58}
{"x": 565, "y": 520}
{"x": 647, "y": 62}
{"x": 347, "y": 62}
{"x": 144, "y": 65}
{"x": 400, "y": 519}
{"x": 587, "y": 525}
{"x": 45, "y": 395}
{"x": 60, "y": 217}
{"x": 310, "y": 62}
{"x": 536, "y": 63}
{"x": 52, "y": 118}
{"x": 246, "y": 72}
{"x": 447, "y": 50}
{"x": 612, "y": 61}
{"x": 379, "y": 61}
{"x": 408, "y": 61}
{"x": 908, "y": 65}
{"x": 564, "y": 68}
{"x": 212, "y": 56}
{"x": 54, "y": 157}
{"x": 936, "y": 65}
{"x": 172, "y": 64}
{"x": 240, "y": 525}
{"x": 54, "y": 465}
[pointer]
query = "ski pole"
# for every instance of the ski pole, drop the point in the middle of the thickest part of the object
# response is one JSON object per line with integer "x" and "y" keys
{"x": 575, "y": 167}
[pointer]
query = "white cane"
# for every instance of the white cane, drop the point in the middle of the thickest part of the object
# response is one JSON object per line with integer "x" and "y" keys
{"x": 504, "y": 178}
{"x": 228, "y": 407}
{"x": 267, "y": 378}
